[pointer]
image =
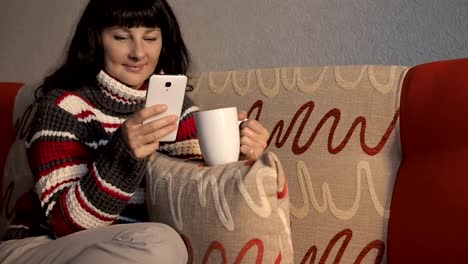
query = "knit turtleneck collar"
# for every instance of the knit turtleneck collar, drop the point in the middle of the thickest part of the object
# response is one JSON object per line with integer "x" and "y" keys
{"x": 117, "y": 96}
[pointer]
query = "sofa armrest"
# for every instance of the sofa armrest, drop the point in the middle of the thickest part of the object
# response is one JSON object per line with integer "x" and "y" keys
{"x": 8, "y": 92}
{"x": 429, "y": 210}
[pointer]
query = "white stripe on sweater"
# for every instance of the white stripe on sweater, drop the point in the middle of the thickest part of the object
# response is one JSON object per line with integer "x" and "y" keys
{"x": 50, "y": 133}
{"x": 119, "y": 88}
{"x": 110, "y": 186}
{"x": 185, "y": 147}
{"x": 49, "y": 208}
{"x": 188, "y": 111}
{"x": 65, "y": 135}
{"x": 115, "y": 98}
{"x": 95, "y": 145}
{"x": 110, "y": 129}
{"x": 59, "y": 177}
{"x": 94, "y": 208}
{"x": 75, "y": 105}
{"x": 79, "y": 215}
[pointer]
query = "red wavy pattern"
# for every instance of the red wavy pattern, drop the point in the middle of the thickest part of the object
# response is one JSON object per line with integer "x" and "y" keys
{"x": 217, "y": 246}
{"x": 280, "y": 195}
{"x": 311, "y": 254}
{"x": 334, "y": 114}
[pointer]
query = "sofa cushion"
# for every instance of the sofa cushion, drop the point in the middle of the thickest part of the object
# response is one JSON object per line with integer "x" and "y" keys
{"x": 336, "y": 131}
{"x": 232, "y": 213}
{"x": 429, "y": 210}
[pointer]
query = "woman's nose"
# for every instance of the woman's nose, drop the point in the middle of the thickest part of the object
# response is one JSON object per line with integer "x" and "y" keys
{"x": 137, "y": 50}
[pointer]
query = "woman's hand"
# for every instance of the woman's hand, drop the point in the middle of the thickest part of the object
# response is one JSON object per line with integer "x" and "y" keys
{"x": 143, "y": 139}
{"x": 254, "y": 137}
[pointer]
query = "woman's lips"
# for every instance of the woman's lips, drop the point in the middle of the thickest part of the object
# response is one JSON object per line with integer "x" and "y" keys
{"x": 134, "y": 68}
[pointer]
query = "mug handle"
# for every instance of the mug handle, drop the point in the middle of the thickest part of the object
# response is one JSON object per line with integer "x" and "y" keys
{"x": 241, "y": 121}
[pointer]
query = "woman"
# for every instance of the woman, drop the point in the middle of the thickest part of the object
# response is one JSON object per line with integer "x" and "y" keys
{"x": 88, "y": 147}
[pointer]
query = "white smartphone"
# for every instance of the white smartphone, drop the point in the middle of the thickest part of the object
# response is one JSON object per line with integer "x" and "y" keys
{"x": 168, "y": 90}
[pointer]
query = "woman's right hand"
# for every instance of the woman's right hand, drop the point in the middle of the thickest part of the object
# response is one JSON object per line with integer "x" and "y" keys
{"x": 143, "y": 139}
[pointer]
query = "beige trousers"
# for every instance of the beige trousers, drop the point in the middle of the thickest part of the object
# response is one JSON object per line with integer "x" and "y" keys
{"x": 127, "y": 243}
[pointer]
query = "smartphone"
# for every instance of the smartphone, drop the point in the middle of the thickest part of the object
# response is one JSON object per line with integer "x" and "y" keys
{"x": 168, "y": 90}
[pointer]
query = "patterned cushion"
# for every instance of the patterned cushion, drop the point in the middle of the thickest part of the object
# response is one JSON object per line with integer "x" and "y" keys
{"x": 336, "y": 131}
{"x": 232, "y": 213}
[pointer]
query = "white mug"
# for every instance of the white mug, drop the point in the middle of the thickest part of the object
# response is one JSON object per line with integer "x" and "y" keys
{"x": 218, "y": 134}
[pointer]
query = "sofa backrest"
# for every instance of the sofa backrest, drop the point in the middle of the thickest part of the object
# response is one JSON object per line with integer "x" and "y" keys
{"x": 336, "y": 132}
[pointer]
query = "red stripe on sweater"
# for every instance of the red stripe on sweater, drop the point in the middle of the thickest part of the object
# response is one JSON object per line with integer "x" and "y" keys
{"x": 126, "y": 100}
{"x": 84, "y": 114}
{"x": 90, "y": 210}
{"x": 58, "y": 223}
{"x": 46, "y": 172}
{"x": 46, "y": 192}
{"x": 187, "y": 129}
{"x": 106, "y": 189}
{"x": 87, "y": 113}
{"x": 110, "y": 125}
{"x": 45, "y": 152}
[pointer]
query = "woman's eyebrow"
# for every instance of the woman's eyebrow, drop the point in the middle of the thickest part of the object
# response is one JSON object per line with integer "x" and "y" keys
{"x": 149, "y": 30}
{"x": 128, "y": 30}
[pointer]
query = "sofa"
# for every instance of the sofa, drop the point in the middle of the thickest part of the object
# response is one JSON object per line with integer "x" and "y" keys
{"x": 367, "y": 161}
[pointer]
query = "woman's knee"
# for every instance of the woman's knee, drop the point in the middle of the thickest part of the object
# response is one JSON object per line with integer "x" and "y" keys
{"x": 158, "y": 240}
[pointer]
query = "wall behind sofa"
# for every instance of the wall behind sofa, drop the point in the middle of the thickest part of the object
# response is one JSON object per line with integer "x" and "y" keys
{"x": 243, "y": 34}
{"x": 264, "y": 33}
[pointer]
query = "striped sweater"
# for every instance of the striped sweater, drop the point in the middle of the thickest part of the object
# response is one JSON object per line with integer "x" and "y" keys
{"x": 84, "y": 174}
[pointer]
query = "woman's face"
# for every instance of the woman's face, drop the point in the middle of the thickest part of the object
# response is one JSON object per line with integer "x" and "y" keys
{"x": 131, "y": 54}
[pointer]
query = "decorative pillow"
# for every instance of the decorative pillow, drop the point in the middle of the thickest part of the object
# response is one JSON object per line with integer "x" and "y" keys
{"x": 232, "y": 213}
{"x": 15, "y": 177}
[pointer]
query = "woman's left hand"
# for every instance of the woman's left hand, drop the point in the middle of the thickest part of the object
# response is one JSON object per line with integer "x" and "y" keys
{"x": 253, "y": 137}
